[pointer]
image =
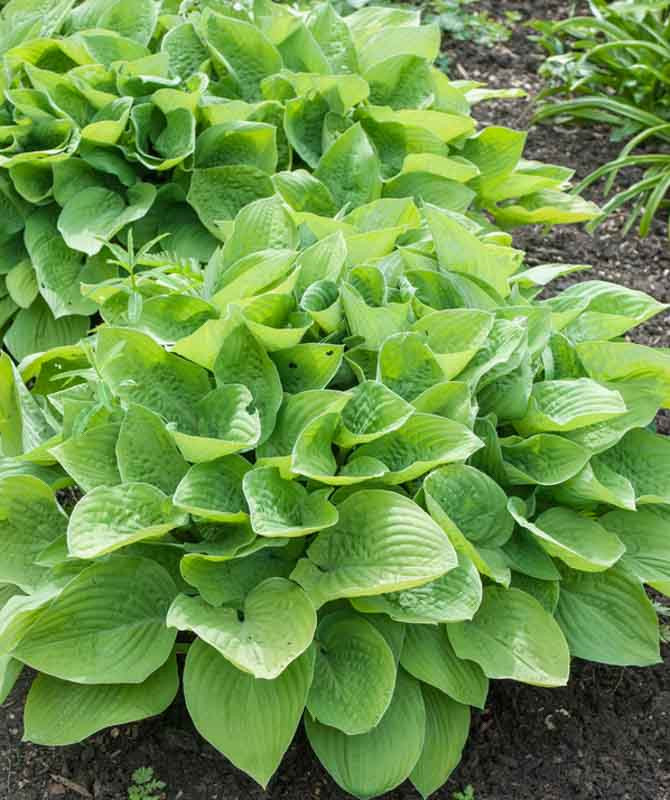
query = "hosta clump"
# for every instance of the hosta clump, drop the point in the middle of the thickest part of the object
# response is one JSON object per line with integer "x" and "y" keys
{"x": 354, "y": 491}
{"x": 173, "y": 116}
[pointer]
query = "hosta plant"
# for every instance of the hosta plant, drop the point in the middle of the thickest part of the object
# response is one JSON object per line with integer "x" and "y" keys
{"x": 173, "y": 116}
{"x": 351, "y": 489}
{"x": 325, "y": 455}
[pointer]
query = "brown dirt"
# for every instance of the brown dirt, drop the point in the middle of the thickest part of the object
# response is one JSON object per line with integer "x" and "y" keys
{"x": 605, "y": 737}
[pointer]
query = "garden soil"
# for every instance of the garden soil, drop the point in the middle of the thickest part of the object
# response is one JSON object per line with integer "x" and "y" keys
{"x": 605, "y": 737}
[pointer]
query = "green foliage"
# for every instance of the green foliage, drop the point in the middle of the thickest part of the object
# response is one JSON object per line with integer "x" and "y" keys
{"x": 328, "y": 441}
{"x": 460, "y": 22}
{"x": 612, "y": 66}
{"x": 467, "y": 794}
{"x": 145, "y": 785}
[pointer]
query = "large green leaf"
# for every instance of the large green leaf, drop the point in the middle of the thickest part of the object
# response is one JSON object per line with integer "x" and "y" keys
{"x": 275, "y": 625}
{"x": 250, "y": 720}
{"x": 447, "y": 729}
{"x": 281, "y": 507}
{"x": 59, "y": 712}
{"x": 429, "y": 656}
{"x": 607, "y": 617}
{"x": 93, "y": 617}
{"x": 354, "y": 675}
{"x": 382, "y": 542}
{"x": 213, "y": 490}
{"x": 111, "y": 517}
{"x": 646, "y": 537}
{"x": 372, "y": 763}
{"x": 350, "y": 169}
{"x": 512, "y": 636}
{"x": 30, "y": 520}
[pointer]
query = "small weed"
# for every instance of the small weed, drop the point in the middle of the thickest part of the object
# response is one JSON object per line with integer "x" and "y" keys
{"x": 467, "y": 794}
{"x": 663, "y": 612}
{"x": 145, "y": 786}
{"x": 456, "y": 19}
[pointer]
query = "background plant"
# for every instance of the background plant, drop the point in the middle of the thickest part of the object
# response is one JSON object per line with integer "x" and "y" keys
{"x": 614, "y": 66}
{"x": 324, "y": 439}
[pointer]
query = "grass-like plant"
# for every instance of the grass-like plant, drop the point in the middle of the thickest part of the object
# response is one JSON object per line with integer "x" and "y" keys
{"x": 325, "y": 439}
{"x": 613, "y": 65}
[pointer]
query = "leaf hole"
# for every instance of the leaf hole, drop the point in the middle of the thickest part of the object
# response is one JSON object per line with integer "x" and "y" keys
{"x": 240, "y": 615}
{"x": 292, "y": 365}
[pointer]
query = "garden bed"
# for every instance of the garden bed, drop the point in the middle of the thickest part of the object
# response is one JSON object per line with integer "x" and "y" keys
{"x": 607, "y": 736}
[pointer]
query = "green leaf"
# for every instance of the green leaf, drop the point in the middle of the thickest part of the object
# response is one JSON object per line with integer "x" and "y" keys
{"x": 350, "y": 169}
{"x": 93, "y": 613}
{"x": 226, "y": 423}
{"x": 307, "y": 366}
{"x": 35, "y": 330}
{"x": 284, "y": 508}
{"x": 607, "y": 617}
{"x": 566, "y": 405}
{"x": 30, "y": 520}
{"x": 213, "y": 490}
{"x": 90, "y": 457}
{"x": 422, "y": 443}
{"x": 246, "y": 52}
{"x": 474, "y": 502}
{"x": 580, "y": 542}
{"x": 512, "y": 636}
{"x": 429, "y": 657}
{"x": 371, "y": 411}
{"x": 645, "y": 536}
{"x": 146, "y": 452}
{"x": 243, "y": 734}
{"x": 372, "y": 763}
{"x": 354, "y": 675}
{"x": 643, "y": 458}
{"x": 451, "y": 598}
{"x": 58, "y": 712}
{"x": 366, "y": 552}
{"x": 275, "y": 626}
{"x": 543, "y": 459}
{"x": 111, "y": 517}
{"x": 96, "y": 215}
{"x": 447, "y": 729}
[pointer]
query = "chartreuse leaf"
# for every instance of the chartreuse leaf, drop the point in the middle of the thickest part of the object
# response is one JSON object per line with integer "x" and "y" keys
{"x": 226, "y": 423}
{"x": 460, "y": 251}
{"x": 614, "y": 361}
{"x": 213, "y": 490}
{"x": 512, "y": 636}
{"x": 350, "y": 169}
{"x": 58, "y": 712}
{"x": 544, "y": 459}
{"x": 429, "y": 657}
{"x": 306, "y": 366}
{"x": 607, "y": 617}
{"x": 372, "y": 763}
{"x": 646, "y": 537}
{"x": 408, "y": 366}
{"x": 146, "y": 452}
{"x": 474, "y": 502}
{"x": 643, "y": 458}
{"x": 566, "y": 405}
{"x": 262, "y": 715}
{"x": 90, "y": 457}
{"x": 596, "y": 483}
{"x": 275, "y": 625}
{"x": 371, "y": 411}
{"x": 382, "y": 542}
{"x": 110, "y": 517}
{"x": 95, "y": 215}
{"x": 138, "y": 370}
{"x": 93, "y": 613}
{"x": 284, "y": 508}
{"x": 244, "y": 49}
{"x": 243, "y": 360}
{"x": 30, "y": 520}
{"x": 35, "y": 330}
{"x": 580, "y": 542}
{"x": 422, "y": 443}
{"x": 227, "y": 579}
{"x": 354, "y": 675}
{"x": 447, "y": 729}
{"x": 455, "y": 336}
{"x": 453, "y": 597}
